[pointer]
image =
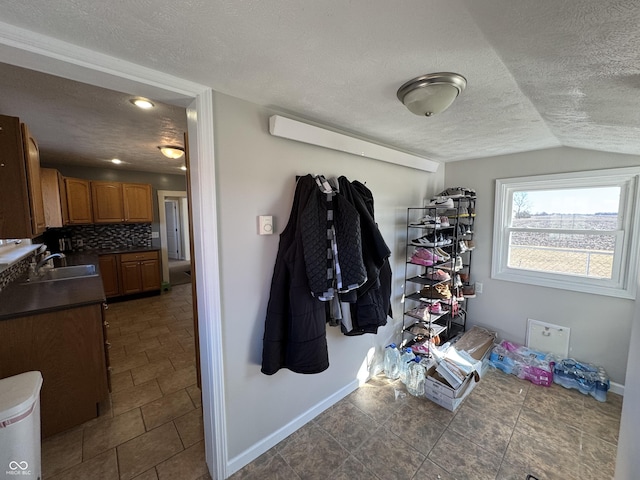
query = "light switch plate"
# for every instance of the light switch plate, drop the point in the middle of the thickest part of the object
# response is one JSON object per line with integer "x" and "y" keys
{"x": 265, "y": 225}
{"x": 155, "y": 234}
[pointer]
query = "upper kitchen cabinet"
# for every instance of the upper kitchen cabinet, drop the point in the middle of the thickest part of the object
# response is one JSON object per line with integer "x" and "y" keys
{"x": 54, "y": 194}
{"x": 115, "y": 202}
{"x": 21, "y": 205}
{"x": 107, "y": 202}
{"x": 78, "y": 201}
{"x": 138, "y": 206}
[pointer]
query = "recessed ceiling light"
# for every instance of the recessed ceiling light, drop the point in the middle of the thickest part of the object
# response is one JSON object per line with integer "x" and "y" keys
{"x": 117, "y": 161}
{"x": 183, "y": 168}
{"x": 142, "y": 102}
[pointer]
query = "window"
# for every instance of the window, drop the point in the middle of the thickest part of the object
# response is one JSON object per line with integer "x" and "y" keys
{"x": 575, "y": 231}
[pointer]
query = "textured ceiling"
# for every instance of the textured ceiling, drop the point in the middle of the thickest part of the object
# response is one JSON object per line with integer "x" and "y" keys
{"x": 540, "y": 73}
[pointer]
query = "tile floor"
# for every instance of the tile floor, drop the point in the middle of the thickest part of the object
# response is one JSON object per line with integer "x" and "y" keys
{"x": 506, "y": 428}
{"x": 152, "y": 428}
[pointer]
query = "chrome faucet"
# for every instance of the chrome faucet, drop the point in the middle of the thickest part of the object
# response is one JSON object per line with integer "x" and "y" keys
{"x": 49, "y": 257}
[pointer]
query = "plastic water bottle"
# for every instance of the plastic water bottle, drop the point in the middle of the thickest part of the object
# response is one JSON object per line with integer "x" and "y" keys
{"x": 391, "y": 361}
{"x": 405, "y": 358}
{"x": 416, "y": 378}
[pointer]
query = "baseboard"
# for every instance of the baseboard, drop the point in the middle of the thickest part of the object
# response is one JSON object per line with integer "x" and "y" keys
{"x": 272, "y": 440}
{"x": 616, "y": 388}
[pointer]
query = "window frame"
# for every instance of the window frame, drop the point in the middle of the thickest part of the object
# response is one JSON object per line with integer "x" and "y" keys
{"x": 623, "y": 283}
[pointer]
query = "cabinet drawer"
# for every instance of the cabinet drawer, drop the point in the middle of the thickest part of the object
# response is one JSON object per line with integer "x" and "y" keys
{"x": 132, "y": 257}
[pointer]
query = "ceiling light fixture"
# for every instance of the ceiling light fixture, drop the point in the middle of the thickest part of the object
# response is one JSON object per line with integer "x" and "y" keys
{"x": 183, "y": 168}
{"x": 117, "y": 161}
{"x": 171, "y": 151}
{"x": 142, "y": 102}
{"x": 430, "y": 94}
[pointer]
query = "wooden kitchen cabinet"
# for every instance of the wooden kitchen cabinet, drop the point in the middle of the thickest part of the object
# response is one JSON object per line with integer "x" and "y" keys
{"x": 108, "y": 265}
{"x": 115, "y": 202}
{"x": 107, "y": 202}
{"x": 68, "y": 347}
{"x": 138, "y": 206}
{"x": 139, "y": 272}
{"x": 54, "y": 195}
{"x": 78, "y": 201}
{"x": 21, "y": 205}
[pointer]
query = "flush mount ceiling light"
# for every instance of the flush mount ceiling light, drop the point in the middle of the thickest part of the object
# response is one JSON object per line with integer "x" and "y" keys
{"x": 431, "y": 94}
{"x": 171, "y": 151}
{"x": 142, "y": 102}
{"x": 117, "y": 161}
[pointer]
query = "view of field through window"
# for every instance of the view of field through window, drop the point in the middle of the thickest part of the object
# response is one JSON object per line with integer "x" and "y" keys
{"x": 573, "y": 231}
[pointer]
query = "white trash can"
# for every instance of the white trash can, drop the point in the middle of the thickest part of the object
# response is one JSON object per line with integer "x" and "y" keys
{"x": 20, "y": 426}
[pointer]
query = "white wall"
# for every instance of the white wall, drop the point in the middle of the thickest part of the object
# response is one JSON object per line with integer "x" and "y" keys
{"x": 256, "y": 176}
{"x": 628, "y": 462}
{"x": 600, "y": 326}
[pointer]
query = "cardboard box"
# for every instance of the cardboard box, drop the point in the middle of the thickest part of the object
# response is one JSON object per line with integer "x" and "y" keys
{"x": 438, "y": 390}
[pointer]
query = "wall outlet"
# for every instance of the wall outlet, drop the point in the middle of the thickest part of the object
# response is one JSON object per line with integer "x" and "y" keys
{"x": 155, "y": 234}
{"x": 479, "y": 287}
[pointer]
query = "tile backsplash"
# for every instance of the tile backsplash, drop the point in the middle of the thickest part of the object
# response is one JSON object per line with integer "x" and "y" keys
{"x": 94, "y": 237}
{"x": 15, "y": 271}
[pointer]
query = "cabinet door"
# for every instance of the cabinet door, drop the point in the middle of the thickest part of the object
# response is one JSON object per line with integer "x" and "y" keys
{"x": 109, "y": 273}
{"x": 51, "y": 197}
{"x": 67, "y": 346}
{"x": 138, "y": 205}
{"x": 32, "y": 162}
{"x": 78, "y": 201}
{"x": 150, "y": 274}
{"x": 130, "y": 276}
{"x": 107, "y": 202}
{"x": 15, "y": 216}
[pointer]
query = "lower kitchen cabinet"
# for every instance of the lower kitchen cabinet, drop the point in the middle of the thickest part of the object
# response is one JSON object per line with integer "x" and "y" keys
{"x": 109, "y": 273}
{"x": 130, "y": 273}
{"x": 68, "y": 347}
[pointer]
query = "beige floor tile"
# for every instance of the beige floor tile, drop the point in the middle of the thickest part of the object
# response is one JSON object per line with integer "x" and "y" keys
{"x": 187, "y": 465}
{"x": 389, "y": 456}
{"x": 120, "y": 381}
{"x": 598, "y": 458}
{"x": 127, "y": 362}
{"x": 153, "y": 332}
{"x": 167, "y": 408}
{"x": 177, "y": 380}
{"x": 182, "y": 360}
{"x": 179, "y": 325}
{"x": 134, "y": 327}
{"x": 431, "y": 471}
{"x": 148, "y": 475}
{"x": 142, "y": 346}
{"x": 266, "y": 466}
{"x": 101, "y": 467}
{"x": 421, "y": 431}
{"x": 347, "y": 424}
{"x": 196, "y": 395}
{"x": 124, "y": 339}
{"x": 145, "y": 373}
{"x": 464, "y": 459}
{"x": 190, "y": 427}
{"x": 111, "y": 433}
{"x": 61, "y": 452}
{"x": 352, "y": 469}
{"x": 484, "y": 430}
{"x": 135, "y": 397}
{"x": 312, "y": 453}
{"x": 148, "y": 450}
{"x": 164, "y": 350}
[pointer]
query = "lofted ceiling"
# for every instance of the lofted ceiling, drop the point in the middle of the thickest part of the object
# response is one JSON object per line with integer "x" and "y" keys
{"x": 540, "y": 73}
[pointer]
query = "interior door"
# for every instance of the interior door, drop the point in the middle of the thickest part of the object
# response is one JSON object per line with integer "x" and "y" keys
{"x": 173, "y": 230}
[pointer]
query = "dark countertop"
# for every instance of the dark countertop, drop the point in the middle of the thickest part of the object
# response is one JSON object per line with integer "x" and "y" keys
{"x": 18, "y": 299}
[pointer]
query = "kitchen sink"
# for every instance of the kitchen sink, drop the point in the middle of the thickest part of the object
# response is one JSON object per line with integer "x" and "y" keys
{"x": 65, "y": 273}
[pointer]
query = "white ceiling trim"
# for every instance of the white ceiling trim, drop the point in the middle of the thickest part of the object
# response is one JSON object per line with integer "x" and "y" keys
{"x": 314, "y": 135}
